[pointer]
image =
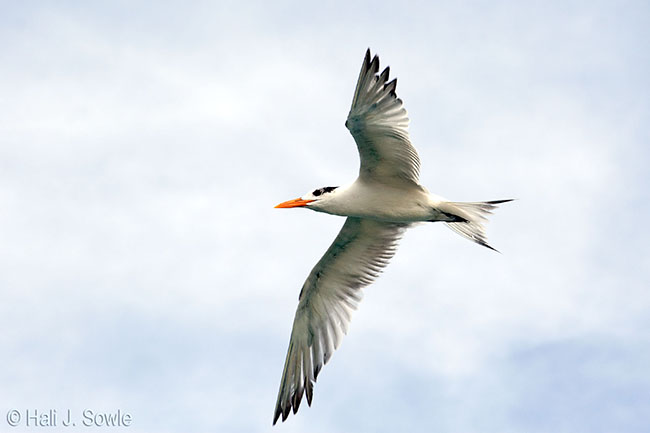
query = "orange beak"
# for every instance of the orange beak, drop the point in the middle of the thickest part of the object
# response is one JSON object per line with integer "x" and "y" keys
{"x": 294, "y": 203}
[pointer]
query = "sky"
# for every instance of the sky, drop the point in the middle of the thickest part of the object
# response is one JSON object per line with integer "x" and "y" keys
{"x": 143, "y": 268}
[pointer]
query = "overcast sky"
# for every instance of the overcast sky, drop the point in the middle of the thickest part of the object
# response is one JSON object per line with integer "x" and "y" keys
{"x": 143, "y": 268}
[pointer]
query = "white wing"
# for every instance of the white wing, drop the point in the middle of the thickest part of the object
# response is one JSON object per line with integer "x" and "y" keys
{"x": 328, "y": 297}
{"x": 379, "y": 125}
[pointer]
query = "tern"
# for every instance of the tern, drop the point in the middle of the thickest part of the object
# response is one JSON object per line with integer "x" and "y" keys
{"x": 380, "y": 205}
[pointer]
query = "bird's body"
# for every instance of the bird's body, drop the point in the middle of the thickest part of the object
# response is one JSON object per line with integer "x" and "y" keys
{"x": 380, "y": 205}
{"x": 395, "y": 202}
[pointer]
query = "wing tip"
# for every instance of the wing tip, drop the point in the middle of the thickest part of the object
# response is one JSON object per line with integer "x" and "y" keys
{"x": 385, "y": 74}
{"x": 297, "y": 399}
{"x": 391, "y": 87}
{"x": 276, "y": 416}
{"x": 366, "y": 62}
{"x": 501, "y": 201}
{"x": 374, "y": 64}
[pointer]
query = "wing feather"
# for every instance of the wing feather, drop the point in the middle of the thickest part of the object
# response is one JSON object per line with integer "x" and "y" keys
{"x": 330, "y": 294}
{"x": 379, "y": 124}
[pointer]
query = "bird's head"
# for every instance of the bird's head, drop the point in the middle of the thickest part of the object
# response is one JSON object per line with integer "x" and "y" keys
{"x": 313, "y": 198}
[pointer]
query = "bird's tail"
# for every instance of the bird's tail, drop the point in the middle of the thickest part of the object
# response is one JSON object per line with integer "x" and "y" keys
{"x": 472, "y": 218}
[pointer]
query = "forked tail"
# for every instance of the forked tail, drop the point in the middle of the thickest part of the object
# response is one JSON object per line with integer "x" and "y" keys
{"x": 474, "y": 216}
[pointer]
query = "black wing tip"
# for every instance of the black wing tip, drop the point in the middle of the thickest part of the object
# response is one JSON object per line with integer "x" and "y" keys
{"x": 486, "y": 245}
{"x": 296, "y": 404}
{"x": 374, "y": 65}
{"x": 391, "y": 87}
{"x": 365, "y": 66}
{"x": 285, "y": 412}
{"x": 282, "y": 411}
{"x": 278, "y": 411}
{"x": 482, "y": 242}
{"x": 293, "y": 405}
{"x": 366, "y": 59}
{"x": 384, "y": 74}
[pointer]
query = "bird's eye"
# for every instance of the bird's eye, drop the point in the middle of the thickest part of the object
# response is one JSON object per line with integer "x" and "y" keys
{"x": 317, "y": 192}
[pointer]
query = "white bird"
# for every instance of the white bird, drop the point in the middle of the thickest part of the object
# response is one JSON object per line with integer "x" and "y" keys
{"x": 380, "y": 205}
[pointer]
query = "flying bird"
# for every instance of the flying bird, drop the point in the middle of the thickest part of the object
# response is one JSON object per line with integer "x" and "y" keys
{"x": 380, "y": 205}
